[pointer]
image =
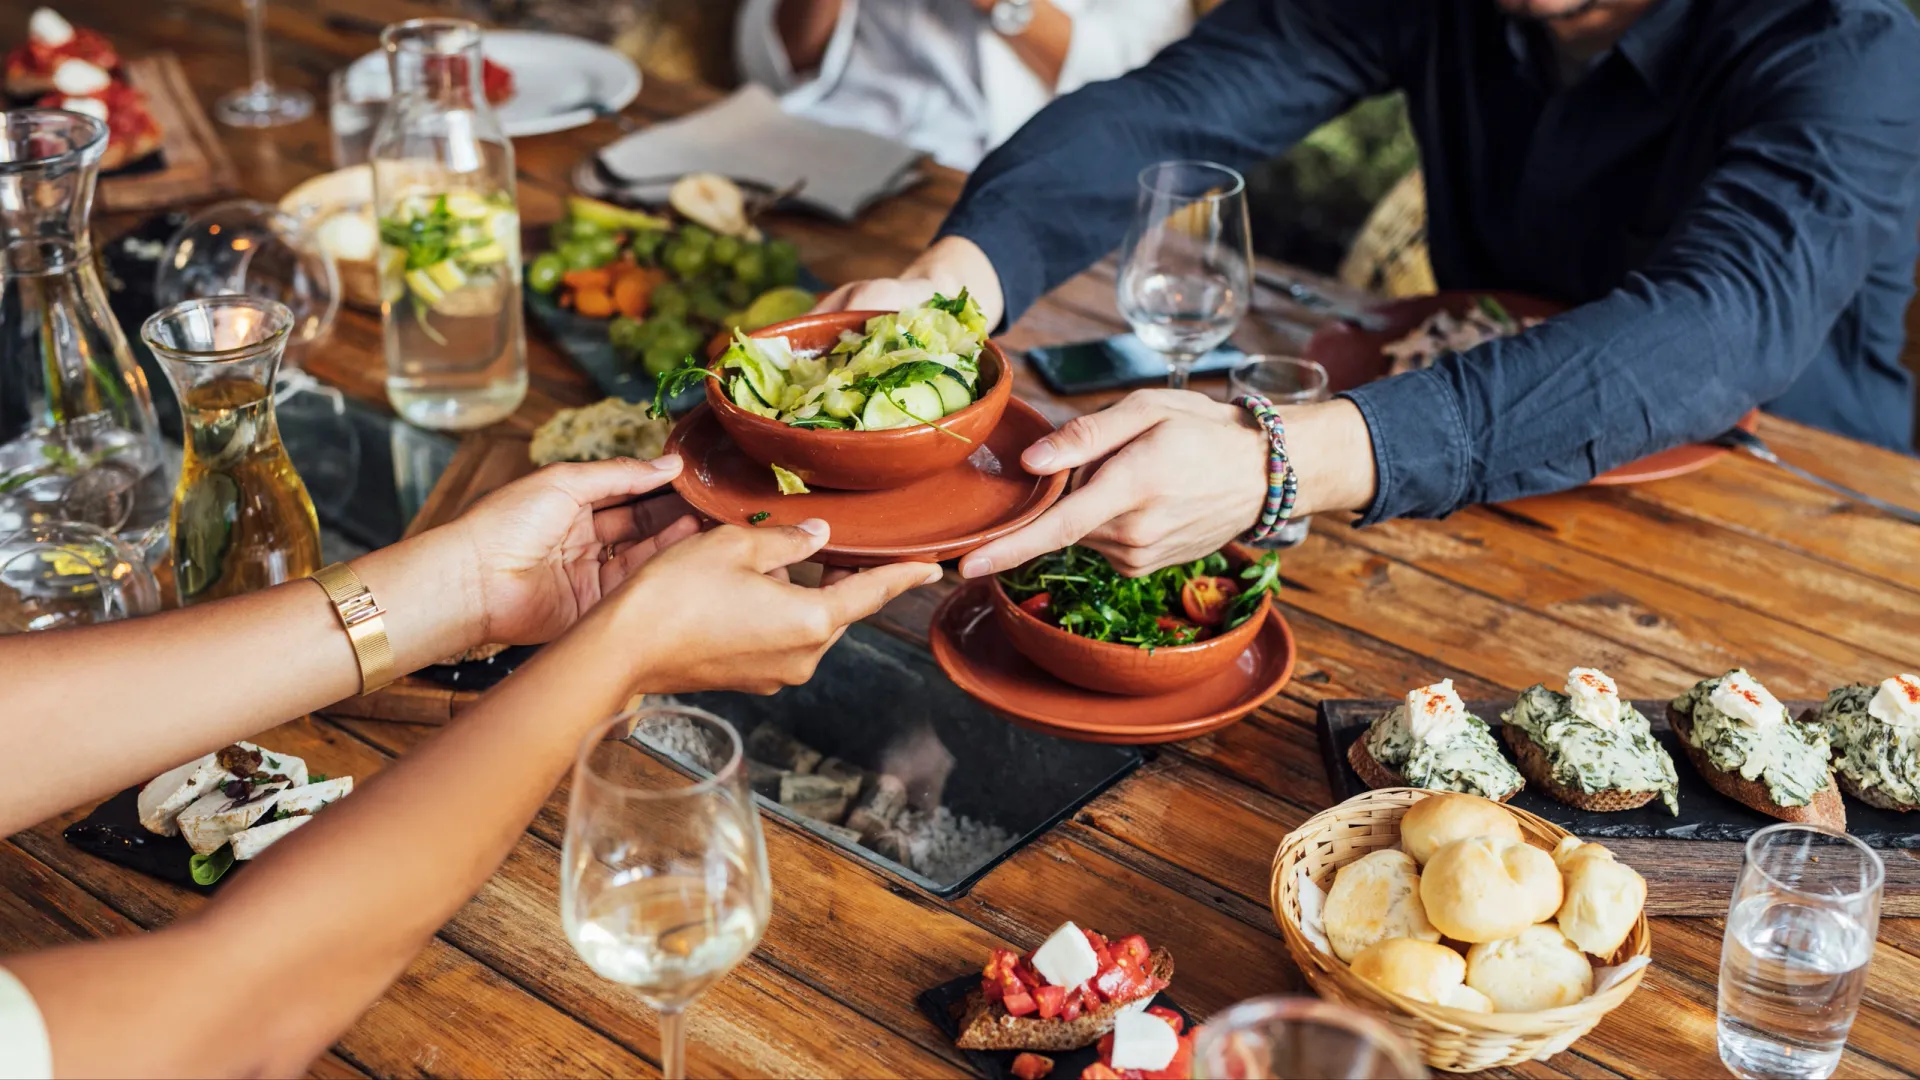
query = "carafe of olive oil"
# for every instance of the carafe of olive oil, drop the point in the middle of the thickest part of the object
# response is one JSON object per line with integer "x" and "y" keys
{"x": 241, "y": 517}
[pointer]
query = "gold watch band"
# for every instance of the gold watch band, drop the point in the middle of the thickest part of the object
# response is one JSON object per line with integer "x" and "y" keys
{"x": 362, "y": 618}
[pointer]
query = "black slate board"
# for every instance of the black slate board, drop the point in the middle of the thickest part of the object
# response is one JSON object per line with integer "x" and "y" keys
{"x": 1705, "y": 814}
{"x": 114, "y": 833}
{"x": 946, "y": 1003}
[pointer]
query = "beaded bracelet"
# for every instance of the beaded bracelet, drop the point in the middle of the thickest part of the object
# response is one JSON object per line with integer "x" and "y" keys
{"x": 1282, "y": 485}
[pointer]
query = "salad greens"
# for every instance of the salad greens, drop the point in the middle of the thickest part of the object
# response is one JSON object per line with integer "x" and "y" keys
{"x": 914, "y": 367}
{"x": 1083, "y": 594}
{"x": 207, "y": 869}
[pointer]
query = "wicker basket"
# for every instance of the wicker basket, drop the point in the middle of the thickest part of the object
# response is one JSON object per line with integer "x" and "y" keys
{"x": 1453, "y": 1040}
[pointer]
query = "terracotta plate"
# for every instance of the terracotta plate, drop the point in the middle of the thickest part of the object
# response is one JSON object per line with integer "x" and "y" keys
{"x": 1352, "y": 356}
{"x": 969, "y": 646}
{"x": 941, "y": 517}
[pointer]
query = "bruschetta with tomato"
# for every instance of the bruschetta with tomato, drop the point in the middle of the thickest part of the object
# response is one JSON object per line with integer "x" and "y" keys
{"x": 51, "y": 41}
{"x": 1065, "y": 994}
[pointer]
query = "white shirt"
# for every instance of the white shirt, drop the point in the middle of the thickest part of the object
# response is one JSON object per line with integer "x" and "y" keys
{"x": 934, "y": 75}
{"x": 25, "y": 1052}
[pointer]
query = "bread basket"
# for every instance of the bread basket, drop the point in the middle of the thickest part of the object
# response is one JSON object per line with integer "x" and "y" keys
{"x": 1453, "y": 1040}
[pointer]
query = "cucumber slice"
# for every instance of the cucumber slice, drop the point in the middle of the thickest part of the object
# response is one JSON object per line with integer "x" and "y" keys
{"x": 954, "y": 394}
{"x": 466, "y": 206}
{"x": 424, "y": 286}
{"x": 485, "y": 255}
{"x": 203, "y": 528}
{"x": 742, "y": 393}
{"x": 763, "y": 378}
{"x": 447, "y": 274}
{"x": 842, "y": 403}
{"x": 905, "y": 407}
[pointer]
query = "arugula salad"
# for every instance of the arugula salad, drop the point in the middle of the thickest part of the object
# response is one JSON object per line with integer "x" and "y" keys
{"x": 1077, "y": 590}
{"x": 900, "y": 370}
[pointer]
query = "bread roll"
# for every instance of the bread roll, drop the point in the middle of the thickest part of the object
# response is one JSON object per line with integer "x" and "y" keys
{"x": 1374, "y": 898}
{"x": 1484, "y": 888}
{"x": 1466, "y": 997}
{"x": 1533, "y": 970}
{"x": 1421, "y": 970}
{"x": 1440, "y": 819}
{"x": 1603, "y": 897}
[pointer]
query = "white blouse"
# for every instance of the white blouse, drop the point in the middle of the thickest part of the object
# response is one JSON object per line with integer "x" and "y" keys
{"x": 25, "y": 1052}
{"x": 934, "y": 75}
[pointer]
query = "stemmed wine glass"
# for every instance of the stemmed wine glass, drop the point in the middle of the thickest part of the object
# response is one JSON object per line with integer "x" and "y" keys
{"x": 1186, "y": 268}
{"x": 260, "y": 103}
{"x": 663, "y": 881}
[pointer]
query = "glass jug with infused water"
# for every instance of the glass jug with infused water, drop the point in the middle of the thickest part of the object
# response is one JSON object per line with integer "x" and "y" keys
{"x": 242, "y": 519}
{"x": 77, "y": 434}
{"x": 449, "y": 234}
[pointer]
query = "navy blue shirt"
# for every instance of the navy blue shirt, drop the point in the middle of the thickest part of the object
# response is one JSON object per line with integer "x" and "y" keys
{"x": 1730, "y": 196}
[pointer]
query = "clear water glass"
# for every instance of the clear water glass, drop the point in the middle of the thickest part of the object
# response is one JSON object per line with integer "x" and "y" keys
{"x": 1301, "y": 1039}
{"x": 59, "y": 574}
{"x": 353, "y": 111}
{"x": 1283, "y": 380}
{"x": 663, "y": 878}
{"x": 247, "y": 248}
{"x": 1186, "y": 266}
{"x": 1793, "y": 962}
{"x": 261, "y": 103}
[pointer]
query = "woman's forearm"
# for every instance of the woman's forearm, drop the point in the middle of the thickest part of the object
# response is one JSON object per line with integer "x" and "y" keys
{"x": 86, "y": 712}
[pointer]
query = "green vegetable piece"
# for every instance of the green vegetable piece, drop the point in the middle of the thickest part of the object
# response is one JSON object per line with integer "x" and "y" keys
{"x": 1495, "y": 311}
{"x": 207, "y": 869}
{"x": 543, "y": 274}
{"x": 789, "y": 482}
{"x": 607, "y": 217}
{"x": 725, "y": 249}
{"x": 675, "y": 381}
{"x": 759, "y": 517}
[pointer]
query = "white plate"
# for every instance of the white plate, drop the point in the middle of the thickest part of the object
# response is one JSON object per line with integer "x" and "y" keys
{"x": 555, "y": 78}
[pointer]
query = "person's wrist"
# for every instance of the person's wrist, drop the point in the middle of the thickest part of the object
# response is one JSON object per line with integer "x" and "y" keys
{"x": 1331, "y": 451}
{"x": 431, "y": 586}
{"x": 955, "y": 262}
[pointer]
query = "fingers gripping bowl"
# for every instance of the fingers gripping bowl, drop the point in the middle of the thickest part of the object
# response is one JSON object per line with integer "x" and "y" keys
{"x": 856, "y": 460}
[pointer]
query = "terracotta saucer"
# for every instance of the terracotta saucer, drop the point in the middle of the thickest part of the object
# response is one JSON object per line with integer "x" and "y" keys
{"x": 1352, "y": 356}
{"x": 941, "y": 517}
{"x": 971, "y": 648}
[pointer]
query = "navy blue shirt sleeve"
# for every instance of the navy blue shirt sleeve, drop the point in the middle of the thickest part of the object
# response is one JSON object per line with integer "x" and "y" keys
{"x": 1254, "y": 77}
{"x": 1736, "y": 300}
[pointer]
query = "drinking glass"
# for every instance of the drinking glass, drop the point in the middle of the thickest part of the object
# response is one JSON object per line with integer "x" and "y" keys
{"x": 248, "y": 248}
{"x": 67, "y": 573}
{"x": 261, "y": 103}
{"x": 1301, "y": 1038}
{"x": 1186, "y": 268}
{"x": 1793, "y": 962}
{"x": 663, "y": 881}
{"x": 1283, "y": 380}
{"x": 354, "y": 108}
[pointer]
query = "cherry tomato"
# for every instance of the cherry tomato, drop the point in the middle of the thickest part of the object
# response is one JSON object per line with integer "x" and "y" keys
{"x": 1181, "y": 628}
{"x": 1028, "y": 1066}
{"x": 1036, "y": 605}
{"x": 1173, "y": 1019}
{"x": 1206, "y": 599}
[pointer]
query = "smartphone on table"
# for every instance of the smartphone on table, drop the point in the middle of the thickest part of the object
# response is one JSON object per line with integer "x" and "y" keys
{"x": 1121, "y": 362}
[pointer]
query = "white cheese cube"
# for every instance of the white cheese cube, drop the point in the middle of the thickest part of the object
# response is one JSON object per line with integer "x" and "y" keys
{"x": 300, "y": 803}
{"x": 214, "y": 818}
{"x": 1143, "y": 1041}
{"x": 312, "y": 797}
{"x": 161, "y": 801}
{"x": 46, "y": 27}
{"x": 252, "y": 842}
{"x": 77, "y": 78}
{"x": 1066, "y": 959}
{"x": 85, "y": 106}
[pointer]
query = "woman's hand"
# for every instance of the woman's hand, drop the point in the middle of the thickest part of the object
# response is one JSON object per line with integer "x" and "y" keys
{"x": 542, "y": 550}
{"x": 953, "y": 263}
{"x": 715, "y": 611}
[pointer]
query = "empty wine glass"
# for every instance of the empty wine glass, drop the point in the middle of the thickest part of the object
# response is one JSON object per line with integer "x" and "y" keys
{"x": 261, "y": 103}
{"x": 1186, "y": 268}
{"x": 1301, "y": 1038}
{"x": 67, "y": 573}
{"x": 247, "y": 248}
{"x": 663, "y": 879}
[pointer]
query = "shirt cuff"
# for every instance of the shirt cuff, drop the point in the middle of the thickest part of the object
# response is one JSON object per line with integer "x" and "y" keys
{"x": 1008, "y": 242}
{"x": 1421, "y": 452}
{"x": 24, "y": 1048}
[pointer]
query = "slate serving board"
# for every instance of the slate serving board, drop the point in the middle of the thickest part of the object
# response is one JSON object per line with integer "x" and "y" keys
{"x": 114, "y": 833}
{"x": 1705, "y": 814}
{"x": 946, "y": 1004}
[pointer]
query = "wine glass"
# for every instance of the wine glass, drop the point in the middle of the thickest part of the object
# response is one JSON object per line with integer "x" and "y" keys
{"x": 663, "y": 881}
{"x": 1186, "y": 268}
{"x": 1301, "y": 1038}
{"x": 247, "y": 248}
{"x": 260, "y": 103}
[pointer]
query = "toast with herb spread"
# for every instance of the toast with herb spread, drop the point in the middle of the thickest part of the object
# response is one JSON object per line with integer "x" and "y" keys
{"x": 1742, "y": 740}
{"x": 1432, "y": 741}
{"x": 1588, "y": 748}
{"x": 1875, "y": 735}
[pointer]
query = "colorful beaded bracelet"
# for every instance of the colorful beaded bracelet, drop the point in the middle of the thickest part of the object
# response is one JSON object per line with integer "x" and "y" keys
{"x": 1282, "y": 485}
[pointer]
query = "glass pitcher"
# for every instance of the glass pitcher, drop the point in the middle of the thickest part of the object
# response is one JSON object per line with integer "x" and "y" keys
{"x": 449, "y": 234}
{"x": 73, "y": 403}
{"x": 242, "y": 519}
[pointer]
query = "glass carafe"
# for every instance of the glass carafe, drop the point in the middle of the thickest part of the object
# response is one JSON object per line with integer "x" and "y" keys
{"x": 242, "y": 519}
{"x": 449, "y": 234}
{"x": 73, "y": 403}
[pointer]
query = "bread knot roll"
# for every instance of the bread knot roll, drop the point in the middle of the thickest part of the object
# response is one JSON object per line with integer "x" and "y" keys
{"x": 1421, "y": 970}
{"x": 1440, "y": 819}
{"x": 1484, "y": 888}
{"x": 1536, "y": 969}
{"x": 1374, "y": 898}
{"x": 1603, "y": 897}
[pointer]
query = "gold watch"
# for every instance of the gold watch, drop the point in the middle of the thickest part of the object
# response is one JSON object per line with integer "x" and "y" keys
{"x": 363, "y": 619}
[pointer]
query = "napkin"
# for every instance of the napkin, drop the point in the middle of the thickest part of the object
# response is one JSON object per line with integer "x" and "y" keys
{"x": 749, "y": 138}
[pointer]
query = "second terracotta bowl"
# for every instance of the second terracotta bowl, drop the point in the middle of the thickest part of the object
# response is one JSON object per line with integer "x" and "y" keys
{"x": 863, "y": 460}
{"x": 1116, "y": 668}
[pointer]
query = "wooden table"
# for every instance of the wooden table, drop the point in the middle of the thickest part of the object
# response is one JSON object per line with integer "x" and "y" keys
{"x": 1660, "y": 585}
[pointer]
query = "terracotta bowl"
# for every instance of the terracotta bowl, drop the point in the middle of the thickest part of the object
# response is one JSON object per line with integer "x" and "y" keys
{"x": 1115, "y": 668}
{"x": 863, "y": 460}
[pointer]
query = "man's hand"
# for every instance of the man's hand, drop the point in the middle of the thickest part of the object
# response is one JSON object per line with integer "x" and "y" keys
{"x": 951, "y": 264}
